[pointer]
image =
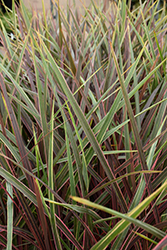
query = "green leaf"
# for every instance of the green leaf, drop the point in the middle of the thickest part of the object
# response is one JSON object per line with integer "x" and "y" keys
{"x": 9, "y": 215}
{"x": 126, "y": 218}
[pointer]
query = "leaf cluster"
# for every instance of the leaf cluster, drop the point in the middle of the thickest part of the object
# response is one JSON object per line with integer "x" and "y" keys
{"x": 83, "y": 131}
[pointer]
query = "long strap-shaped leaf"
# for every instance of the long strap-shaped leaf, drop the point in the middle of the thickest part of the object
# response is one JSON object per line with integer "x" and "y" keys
{"x": 25, "y": 191}
{"x": 16, "y": 130}
{"x": 9, "y": 216}
{"x": 51, "y": 183}
{"x": 88, "y": 131}
{"x": 26, "y": 165}
{"x": 128, "y": 218}
{"x": 134, "y": 127}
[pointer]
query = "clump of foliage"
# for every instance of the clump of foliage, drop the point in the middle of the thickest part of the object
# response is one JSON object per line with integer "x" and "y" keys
{"x": 83, "y": 132}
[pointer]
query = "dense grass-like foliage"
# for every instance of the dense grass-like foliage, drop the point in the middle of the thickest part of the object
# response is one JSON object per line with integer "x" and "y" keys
{"x": 83, "y": 109}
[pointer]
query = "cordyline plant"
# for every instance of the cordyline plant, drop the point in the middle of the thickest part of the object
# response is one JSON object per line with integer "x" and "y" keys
{"x": 83, "y": 131}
